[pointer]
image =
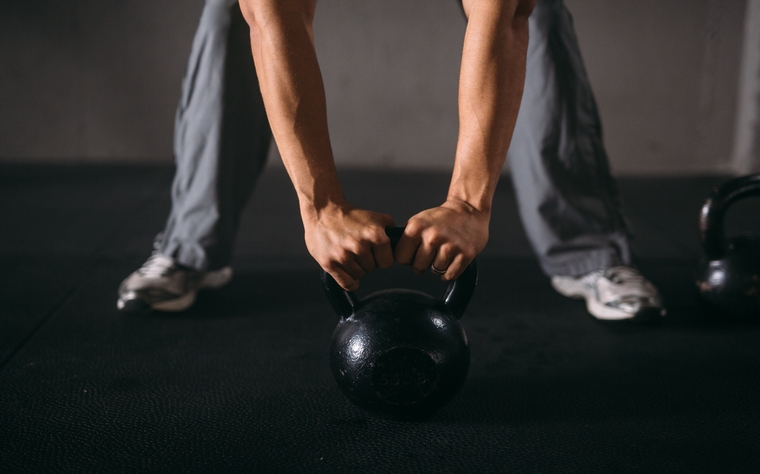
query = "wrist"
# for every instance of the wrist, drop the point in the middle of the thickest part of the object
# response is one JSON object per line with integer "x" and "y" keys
{"x": 470, "y": 200}
{"x": 313, "y": 210}
{"x": 474, "y": 180}
{"x": 462, "y": 204}
{"x": 318, "y": 190}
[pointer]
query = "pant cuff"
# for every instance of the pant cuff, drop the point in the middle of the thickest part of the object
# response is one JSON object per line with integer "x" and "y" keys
{"x": 581, "y": 264}
{"x": 188, "y": 255}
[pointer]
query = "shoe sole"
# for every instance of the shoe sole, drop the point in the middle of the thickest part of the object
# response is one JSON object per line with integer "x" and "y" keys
{"x": 178, "y": 304}
{"x": 216, "y": 279}
{"x": 212, "y": 280}
{"x": 603, "y": 312}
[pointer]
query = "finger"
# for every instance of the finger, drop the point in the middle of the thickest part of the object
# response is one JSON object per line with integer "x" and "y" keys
{"x": 443, "y": 259}
{"x": 383, "y": 253}
{"x": 387, "y": 220}
{"x": 352, "y": 268}
{"x": 424, "y": 257}
{"x": 456, "y": 268}
{"x": 406, "y": 248}
{"x": 366, "y": 260}
{"x": 346, "y": 281}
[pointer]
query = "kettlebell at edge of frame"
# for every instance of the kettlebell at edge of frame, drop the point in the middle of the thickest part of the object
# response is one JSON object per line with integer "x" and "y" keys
{"x": 729, "y": 276}
{"x": 400, "y": 353}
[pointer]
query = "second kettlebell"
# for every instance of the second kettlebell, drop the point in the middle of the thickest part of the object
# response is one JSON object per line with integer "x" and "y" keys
{"x": 729, "y": 276}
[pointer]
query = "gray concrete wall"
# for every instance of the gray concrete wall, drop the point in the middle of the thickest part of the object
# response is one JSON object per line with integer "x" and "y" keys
{"x": 94, "y": 80}
{"x": 98, "y": 80}
{"x": 665, "y": 75}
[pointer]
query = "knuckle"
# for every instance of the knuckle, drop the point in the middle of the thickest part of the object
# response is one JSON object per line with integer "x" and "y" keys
{"x": 361, "y": 246}
{"x": 355, "y": 249}
{"x": 343, "y": 256}
{"x": 435, "y": 239}
{"x": 350, "y": 245}
{"x": 413, "y": 228}
{"x": 429, "y": 237}
{"x": 375, "y": 235}
{"x": 470, "y": 252}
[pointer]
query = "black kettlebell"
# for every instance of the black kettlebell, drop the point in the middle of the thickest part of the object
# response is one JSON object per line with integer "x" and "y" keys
{"x": 400, "y": 353}
{"x": 729, "y": 277}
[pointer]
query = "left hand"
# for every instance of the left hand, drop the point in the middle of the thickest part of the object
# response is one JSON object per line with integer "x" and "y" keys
{"x": 448, "y": 237}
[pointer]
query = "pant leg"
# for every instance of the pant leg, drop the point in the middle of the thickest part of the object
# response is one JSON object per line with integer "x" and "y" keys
{"x": 221, "y": 141}
{"x": 568, "y": 200}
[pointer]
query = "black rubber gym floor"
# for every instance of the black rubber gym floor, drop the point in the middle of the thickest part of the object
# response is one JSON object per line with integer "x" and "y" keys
{"x": 241, "y": 382}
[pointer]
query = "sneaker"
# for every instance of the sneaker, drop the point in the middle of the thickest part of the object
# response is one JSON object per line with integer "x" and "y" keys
{"x": 164, "y": 285}
{"x": 616, "y": 293}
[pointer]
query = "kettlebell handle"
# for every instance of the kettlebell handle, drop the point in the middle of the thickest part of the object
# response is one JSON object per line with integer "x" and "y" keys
{"x": 712, "y": 216}
{"x": 456, "y": 298}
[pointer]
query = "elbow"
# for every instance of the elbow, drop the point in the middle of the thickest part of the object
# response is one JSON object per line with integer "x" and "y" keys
{"x": 522, "y": 12}
{"x": 518, "y": 17}
{"x": 524, "y": 8}
{"x": 508, "y": 14}
{"x": 248, "y": 9}
{"x": 266, "y": 14}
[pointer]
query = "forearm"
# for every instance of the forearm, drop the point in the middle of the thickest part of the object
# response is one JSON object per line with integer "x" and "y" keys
{"x": 490, "y": 89}
{"x": 291, "y": 86}
{"x": 345, "y": 241}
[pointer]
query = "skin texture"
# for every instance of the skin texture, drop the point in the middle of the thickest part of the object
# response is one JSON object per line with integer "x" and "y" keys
{"x": 348, "y": 242}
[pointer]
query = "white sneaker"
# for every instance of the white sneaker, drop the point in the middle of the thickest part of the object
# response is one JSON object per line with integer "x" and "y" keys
{"x": 616, "y": 293}
{"x": 164, "y": 285}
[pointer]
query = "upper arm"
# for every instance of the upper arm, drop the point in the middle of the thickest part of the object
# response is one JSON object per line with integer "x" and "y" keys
{"x": 503, "y": 9}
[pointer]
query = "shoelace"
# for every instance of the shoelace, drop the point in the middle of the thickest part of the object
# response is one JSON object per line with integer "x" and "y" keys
{"x": 156, "y": 266}
{"x": 623, "y": 275}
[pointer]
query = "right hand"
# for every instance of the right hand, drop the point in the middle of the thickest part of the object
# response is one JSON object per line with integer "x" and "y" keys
{"x": 448, "y": 237}
{"x": 348, "y": 242}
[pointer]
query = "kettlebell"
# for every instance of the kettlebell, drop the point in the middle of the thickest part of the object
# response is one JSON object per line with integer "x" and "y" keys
{"x": 729, "y": 276}
{"x": 400, "y": 353}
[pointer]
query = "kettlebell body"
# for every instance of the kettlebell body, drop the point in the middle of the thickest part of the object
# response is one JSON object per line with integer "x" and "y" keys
{"x": 400, "y": 353}
{"x": 729, "y": 276}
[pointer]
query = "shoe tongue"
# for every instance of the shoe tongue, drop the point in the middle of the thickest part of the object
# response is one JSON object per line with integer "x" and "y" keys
{"x": 158, "y": 266}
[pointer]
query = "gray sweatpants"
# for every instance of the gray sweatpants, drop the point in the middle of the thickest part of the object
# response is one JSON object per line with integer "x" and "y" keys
{"x": 568, "y": 200}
